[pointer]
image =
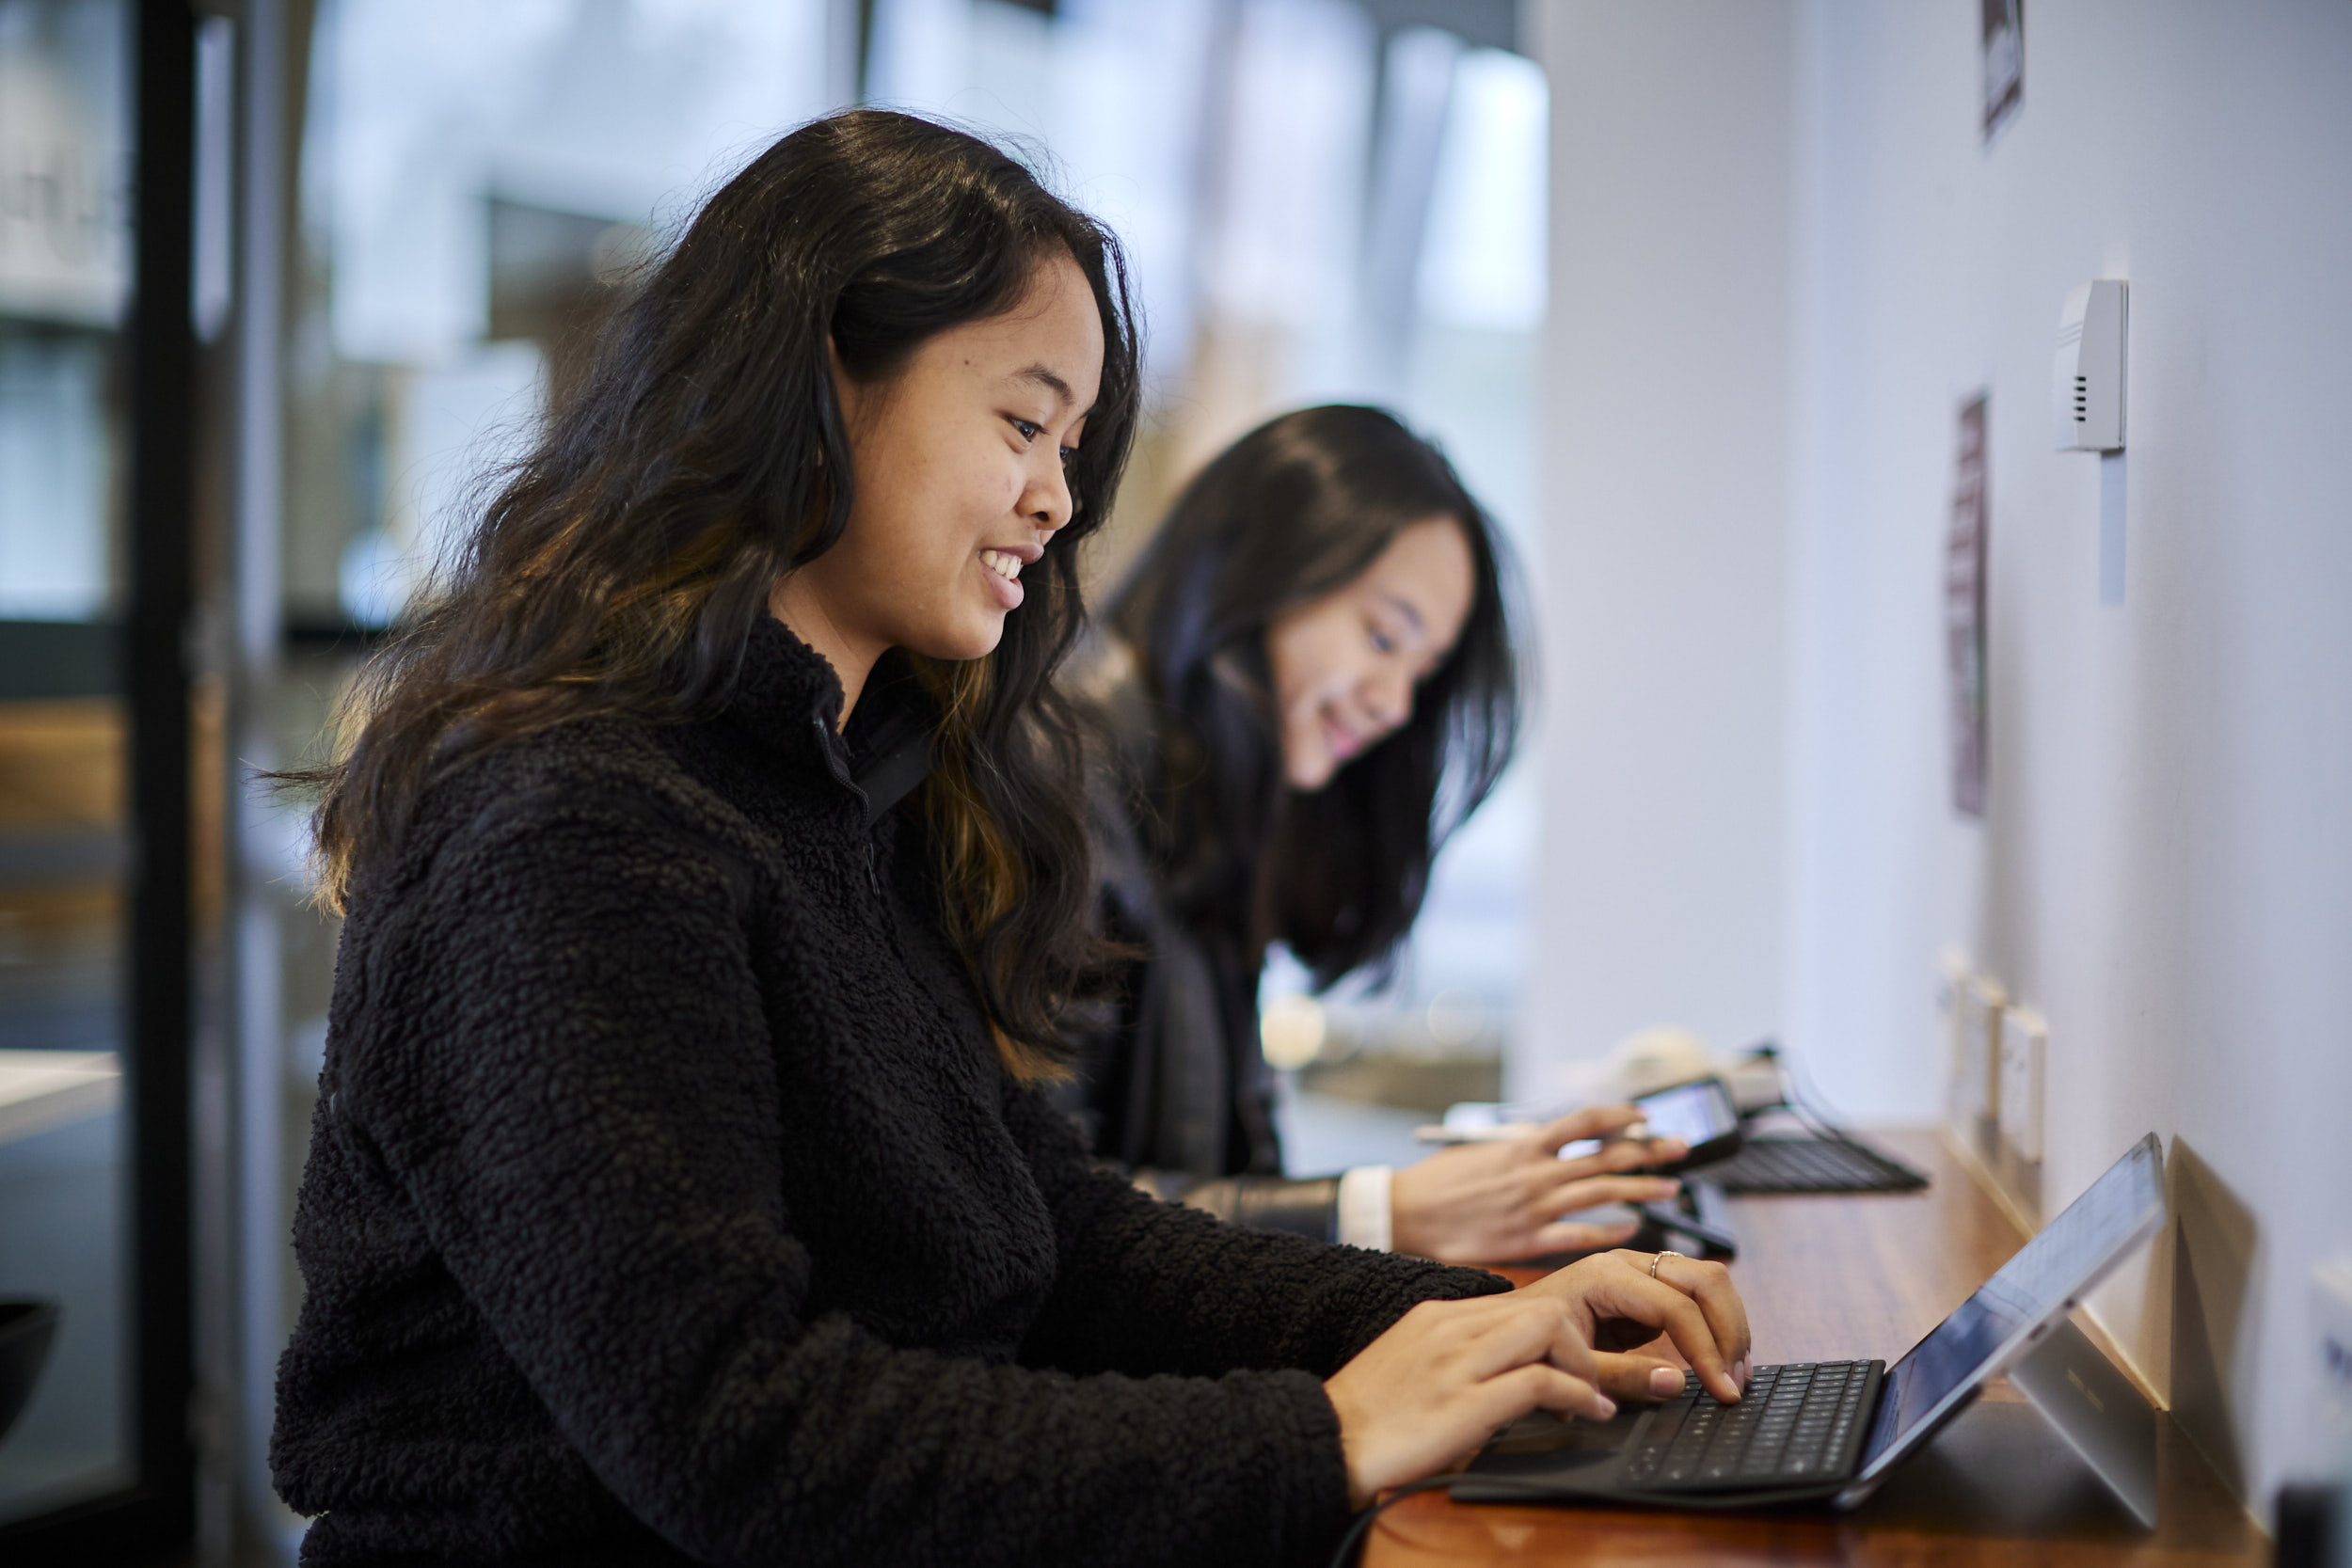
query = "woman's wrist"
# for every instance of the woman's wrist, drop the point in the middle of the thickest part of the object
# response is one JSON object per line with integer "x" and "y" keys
{"x": 1351, "y": 1420}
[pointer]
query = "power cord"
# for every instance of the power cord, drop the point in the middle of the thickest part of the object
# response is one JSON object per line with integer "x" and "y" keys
{"x": 1363, "y": 1527}
{"x": 1798, "y": 1097}
{"x": 1807, "y": 1103}
{"x": 1801, "y": 1100}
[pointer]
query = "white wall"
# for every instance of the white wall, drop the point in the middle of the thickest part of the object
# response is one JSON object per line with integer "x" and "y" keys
{"x": 2166, "y": 868}
{"x": 1663, "y": 522}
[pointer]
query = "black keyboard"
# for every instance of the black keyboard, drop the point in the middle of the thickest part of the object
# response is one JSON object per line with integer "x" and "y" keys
{"x": 1778, "y": 1162}
{"x": 1794, "y": 1423}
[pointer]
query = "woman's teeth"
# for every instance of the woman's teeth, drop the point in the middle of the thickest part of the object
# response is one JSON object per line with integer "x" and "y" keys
{"x": 1002, "y": 562}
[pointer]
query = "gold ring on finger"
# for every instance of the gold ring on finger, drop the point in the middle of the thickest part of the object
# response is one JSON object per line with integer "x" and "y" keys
{"x": 1659, "y": 1258}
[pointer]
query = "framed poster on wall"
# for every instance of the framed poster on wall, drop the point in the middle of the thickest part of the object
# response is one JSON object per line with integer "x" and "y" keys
{"x": 1963, "y": 613}
{"x": 2004, "y": 63}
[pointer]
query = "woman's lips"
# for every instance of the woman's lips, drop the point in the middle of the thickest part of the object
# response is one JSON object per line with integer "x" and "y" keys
{"x": 1003, "y": 570}
{"x": 1345, "y": 742}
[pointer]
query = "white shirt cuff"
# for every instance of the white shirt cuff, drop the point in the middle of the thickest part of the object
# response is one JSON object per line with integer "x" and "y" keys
{"x": 1364, "y": 1219}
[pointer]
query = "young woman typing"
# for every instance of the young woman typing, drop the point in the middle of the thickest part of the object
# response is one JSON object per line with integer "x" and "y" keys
{"x": 714, "y": 869}
{"x": 1308, "y": 683}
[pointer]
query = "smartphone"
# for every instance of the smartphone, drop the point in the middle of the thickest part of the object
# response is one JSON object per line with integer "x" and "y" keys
{"x": 1701, "y": 1114}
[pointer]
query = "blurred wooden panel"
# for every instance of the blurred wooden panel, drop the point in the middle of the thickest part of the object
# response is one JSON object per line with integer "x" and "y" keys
{"x": 62, "y": 794}
{"x": 61, "y": 764}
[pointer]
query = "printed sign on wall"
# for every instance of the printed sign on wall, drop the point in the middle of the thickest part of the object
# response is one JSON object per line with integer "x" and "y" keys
{"x": 2003, "y": 62}
{"x": 1964, "y": 613}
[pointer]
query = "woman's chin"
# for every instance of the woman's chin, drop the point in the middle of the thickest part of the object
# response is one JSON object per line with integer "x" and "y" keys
{"x": 974, "y": 639}
{"x": 1308, "y": 774}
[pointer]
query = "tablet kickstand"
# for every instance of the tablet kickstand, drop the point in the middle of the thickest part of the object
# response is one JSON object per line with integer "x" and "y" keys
{"x": 2095, "y": 1408}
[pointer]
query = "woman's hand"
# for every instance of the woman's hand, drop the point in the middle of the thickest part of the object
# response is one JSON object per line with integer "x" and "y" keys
{"x": 1446, "y": 1375}
{"x": 1492, "y": 1202}
{"x": 1616, "y": 1302}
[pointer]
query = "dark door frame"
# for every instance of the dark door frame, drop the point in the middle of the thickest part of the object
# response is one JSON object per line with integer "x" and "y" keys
{"x": 156, "y": 1514}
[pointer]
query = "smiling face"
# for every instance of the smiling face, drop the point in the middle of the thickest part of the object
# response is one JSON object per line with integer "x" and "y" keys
{"x": 1345, "y": 665}
{"x": 959, "y": 485}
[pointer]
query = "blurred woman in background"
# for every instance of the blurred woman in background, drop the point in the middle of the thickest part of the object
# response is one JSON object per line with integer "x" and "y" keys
{"x": 1308, "y": 683}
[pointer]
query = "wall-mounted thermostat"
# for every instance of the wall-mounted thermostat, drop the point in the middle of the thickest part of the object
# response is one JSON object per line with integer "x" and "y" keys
{"x": 2087, "y": 382}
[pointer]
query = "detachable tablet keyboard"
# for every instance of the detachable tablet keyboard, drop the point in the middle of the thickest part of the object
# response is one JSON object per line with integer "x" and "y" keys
{"x": 1785, "y": 1162}
{"x": 1795, "y": 1423}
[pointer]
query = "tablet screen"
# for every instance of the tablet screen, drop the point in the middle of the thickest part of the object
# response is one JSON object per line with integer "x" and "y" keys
{"x": 2120, "y": 1209}
{"x": 1696, "y": 1112}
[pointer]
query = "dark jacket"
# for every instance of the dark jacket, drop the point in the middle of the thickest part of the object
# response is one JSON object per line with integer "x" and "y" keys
{"x": 1173, "y": 1086}
{"x": 666, "y": 1201}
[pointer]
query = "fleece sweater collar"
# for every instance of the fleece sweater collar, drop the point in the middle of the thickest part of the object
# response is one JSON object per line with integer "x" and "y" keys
{"x": 789, "y": 699}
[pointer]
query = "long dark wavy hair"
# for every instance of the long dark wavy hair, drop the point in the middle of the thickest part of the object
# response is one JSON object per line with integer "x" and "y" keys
{"x": 1294, "y": 509}
{"x": 703, "y": 455}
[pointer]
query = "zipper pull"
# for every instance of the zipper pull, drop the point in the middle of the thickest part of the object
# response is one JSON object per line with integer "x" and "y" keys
{"x": 829, "y": 746}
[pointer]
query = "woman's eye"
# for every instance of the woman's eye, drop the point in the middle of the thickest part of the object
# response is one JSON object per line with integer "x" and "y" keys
{"x": 1069, "y": 455}
{"x": 1030, "y": 430}
{"x": 1381, "y": 642}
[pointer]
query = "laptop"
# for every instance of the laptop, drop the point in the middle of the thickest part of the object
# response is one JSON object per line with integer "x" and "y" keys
{"x": 1832, "y": 1429}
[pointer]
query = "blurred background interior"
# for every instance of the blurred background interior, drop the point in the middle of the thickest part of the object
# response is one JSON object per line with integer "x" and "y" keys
{"x": 1693, "y": 292}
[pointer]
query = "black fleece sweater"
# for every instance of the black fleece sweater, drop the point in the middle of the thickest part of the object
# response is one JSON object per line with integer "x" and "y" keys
{"x": 666, "y": 1202}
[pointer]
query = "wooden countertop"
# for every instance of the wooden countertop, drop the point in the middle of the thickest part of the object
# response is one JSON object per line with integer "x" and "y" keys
{"x": 1828, "y": 1278}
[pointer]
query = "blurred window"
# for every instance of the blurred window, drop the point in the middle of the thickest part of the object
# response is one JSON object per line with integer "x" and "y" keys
{"x": 64, "y": 1194}
{"x": 1483, "y": 266}
{"x": 474, "y": 178}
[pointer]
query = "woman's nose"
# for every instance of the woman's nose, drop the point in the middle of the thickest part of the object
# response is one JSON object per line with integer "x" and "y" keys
{"x": 1047, "y": 501}
{"x": 1389, "y": 696}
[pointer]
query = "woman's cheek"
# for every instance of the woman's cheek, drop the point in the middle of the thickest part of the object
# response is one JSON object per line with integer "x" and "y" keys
{"x": 1307, "y": 762}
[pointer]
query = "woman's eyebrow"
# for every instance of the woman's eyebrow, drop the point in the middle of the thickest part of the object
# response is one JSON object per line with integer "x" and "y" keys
{"x": 1040, "y": 376}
